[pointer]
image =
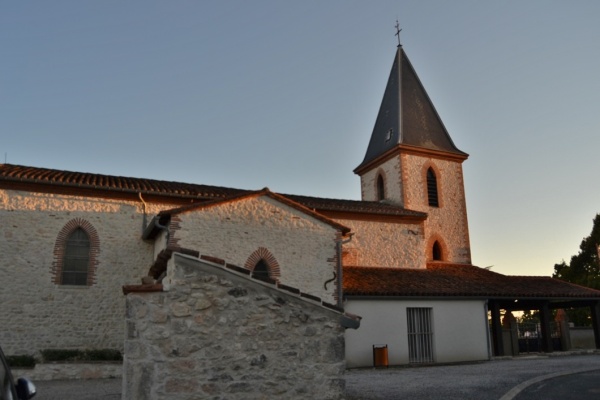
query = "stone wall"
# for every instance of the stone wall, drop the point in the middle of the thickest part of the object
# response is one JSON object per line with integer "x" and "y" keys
{"x": 384, "y": 244}
{"x": 582, "y": 338}
{"x": 448, "y": 222}
{"x": 391, "y": 172}
{"x": 39, "y": 314}
{"x": 214, "y": 333}
{"x": 302, "y": 247}
{"x": 70, "y": 371}
{"x": 405, "y": 180}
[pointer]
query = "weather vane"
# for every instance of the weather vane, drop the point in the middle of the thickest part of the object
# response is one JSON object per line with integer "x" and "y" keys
{"x": 398, "y": 30}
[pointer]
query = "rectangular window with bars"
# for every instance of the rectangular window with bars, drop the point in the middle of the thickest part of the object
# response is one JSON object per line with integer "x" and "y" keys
{"x": 420, "y": 335}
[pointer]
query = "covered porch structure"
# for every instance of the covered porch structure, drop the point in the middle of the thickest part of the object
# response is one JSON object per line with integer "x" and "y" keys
{"x": 453, "y": 283}
{"x": 545, "y": 306}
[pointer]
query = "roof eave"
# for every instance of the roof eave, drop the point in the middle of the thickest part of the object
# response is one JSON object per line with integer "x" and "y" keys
{"x": 408, "y": 149}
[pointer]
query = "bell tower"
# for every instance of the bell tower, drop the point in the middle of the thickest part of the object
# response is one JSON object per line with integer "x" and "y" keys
{"x": 412, "y": 162}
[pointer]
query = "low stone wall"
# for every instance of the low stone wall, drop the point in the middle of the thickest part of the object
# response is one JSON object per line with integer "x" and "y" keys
{"x": 55, "y": 371}
{"x": 582, "y": 338}
{"x": 215, "y": 333}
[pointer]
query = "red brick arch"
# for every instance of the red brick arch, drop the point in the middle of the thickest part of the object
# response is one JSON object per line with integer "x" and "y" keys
{"x": 264, "y": 254}
{"x": 61, "y": 243}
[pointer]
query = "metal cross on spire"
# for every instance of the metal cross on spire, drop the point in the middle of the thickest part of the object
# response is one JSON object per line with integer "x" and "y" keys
{"x": 398, "y": 30}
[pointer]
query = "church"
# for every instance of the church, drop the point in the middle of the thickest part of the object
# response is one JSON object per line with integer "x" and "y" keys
{"x": 399, "y": 258}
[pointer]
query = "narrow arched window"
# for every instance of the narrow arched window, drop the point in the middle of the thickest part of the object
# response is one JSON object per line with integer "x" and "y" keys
{"x": 432, "y": 191}
{"x": 77, "y": 258}
{"x": 261, "y": 270}
{"x": 436, "y": 251}
{"x": 263, "y": 265}
{"x": 380, "y": 188}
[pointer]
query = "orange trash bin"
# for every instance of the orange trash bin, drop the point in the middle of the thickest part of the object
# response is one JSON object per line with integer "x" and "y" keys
{"x": 380, "y": 355}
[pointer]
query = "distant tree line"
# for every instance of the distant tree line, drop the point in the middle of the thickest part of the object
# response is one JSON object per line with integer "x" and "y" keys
{"x": 583, "y": 269}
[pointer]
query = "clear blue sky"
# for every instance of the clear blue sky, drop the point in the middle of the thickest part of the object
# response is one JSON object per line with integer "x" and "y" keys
{"x": 284, "y": 94}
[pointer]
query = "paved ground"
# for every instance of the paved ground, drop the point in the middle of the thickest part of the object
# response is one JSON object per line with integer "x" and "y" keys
{"x": 97, "y": 389}
{"x": 571, "y": 377}
{"x": 587, "y": 384}
{"x": 498, "y": 379}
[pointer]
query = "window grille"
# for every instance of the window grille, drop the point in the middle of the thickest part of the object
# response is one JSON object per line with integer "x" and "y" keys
{"x": 77, "y": 259}
{"x": 420, "y": 335}
{"x": 432, "y": 192}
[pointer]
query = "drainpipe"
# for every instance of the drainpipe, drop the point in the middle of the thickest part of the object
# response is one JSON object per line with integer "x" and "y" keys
{"x": 340, "y": 282}
{"x": 145, "y": 221}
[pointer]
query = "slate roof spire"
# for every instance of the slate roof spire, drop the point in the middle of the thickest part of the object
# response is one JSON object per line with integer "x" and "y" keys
{"x": 407, "y": 115}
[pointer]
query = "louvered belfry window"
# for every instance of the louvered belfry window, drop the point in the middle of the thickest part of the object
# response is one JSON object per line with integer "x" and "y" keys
{"x": 432, "y": 191}
{"x": 77, "y": 258}
{"x": 420, "y": 335}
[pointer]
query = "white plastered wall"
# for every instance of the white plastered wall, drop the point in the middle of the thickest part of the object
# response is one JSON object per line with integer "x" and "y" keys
{"x": 459, "y": 330}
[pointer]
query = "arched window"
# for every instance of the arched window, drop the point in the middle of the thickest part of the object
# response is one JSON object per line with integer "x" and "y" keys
{"x": 261, "y": 270}
{"x": 380, "y": 188}
{"x": 263, "y": 265}
{"x": 76, "y": 254}
{"x": 77, "y": 259}
{"x": 432, "y": 191}
{"x": 436, "y": 251}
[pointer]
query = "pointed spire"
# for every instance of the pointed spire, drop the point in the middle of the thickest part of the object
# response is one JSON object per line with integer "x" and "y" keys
{"x": 407, "y": 115}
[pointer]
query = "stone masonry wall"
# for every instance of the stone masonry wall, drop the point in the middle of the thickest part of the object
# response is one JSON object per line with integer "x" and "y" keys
{"x": 216, "y": 334}
{"x": 392, "y": 176}
{"x": 448, "y": 222}
{"x": 303, "y": 247}
{"x": 384, "y": 244}
{"x": 39, "y": 314}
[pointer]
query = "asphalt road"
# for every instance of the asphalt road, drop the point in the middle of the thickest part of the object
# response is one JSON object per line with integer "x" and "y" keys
{"x": 573, "y": 377}
{"x": 587, "y": 385}
{"x": 500, "y": 379}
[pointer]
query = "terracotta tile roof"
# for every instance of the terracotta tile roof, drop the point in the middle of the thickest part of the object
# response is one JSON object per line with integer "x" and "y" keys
{"x": 456, "y": 280}
{"x": 354, "y": 206}
{"x": 80, "y": 180}
{"x": 264, "y": 192}
{"x": 23, "y": 174}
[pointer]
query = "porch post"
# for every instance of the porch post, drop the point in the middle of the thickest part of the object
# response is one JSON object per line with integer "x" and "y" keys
{"x": 595, "y": 311}
{"x": 497, "y": 341}
{"x": 545, "y": 325}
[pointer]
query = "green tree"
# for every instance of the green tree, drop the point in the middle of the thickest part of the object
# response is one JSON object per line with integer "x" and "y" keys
{"x": 584, "y": 269}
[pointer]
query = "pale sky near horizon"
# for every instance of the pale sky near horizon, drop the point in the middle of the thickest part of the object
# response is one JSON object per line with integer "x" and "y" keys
{"x": 281, "y": 94}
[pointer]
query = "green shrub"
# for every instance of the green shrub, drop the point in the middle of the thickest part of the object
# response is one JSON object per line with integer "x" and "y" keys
{"x": 61, "y": 355}
{"x": 65, "y": 355}
{"x": 103, "y": 355}
{"x": 24, "y": 361}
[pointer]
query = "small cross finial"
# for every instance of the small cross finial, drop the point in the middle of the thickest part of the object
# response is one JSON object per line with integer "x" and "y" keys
{"x": 398, "y": 30}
